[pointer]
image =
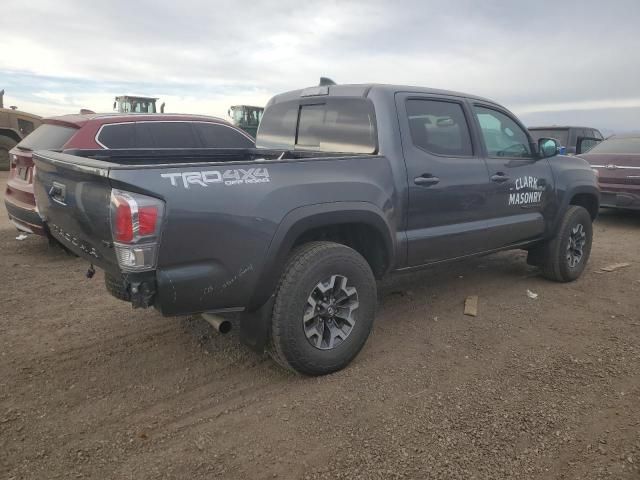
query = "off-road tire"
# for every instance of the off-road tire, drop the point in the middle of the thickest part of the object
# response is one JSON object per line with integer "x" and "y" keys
{"x": 309, "y": 264}
{"x": 115, "y": 286}
{"x": 6, "y": 144}
{"x": 553, "y": 256}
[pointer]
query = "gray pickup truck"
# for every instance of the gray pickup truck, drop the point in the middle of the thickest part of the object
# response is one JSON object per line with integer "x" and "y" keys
{"x": 350, "y": 183}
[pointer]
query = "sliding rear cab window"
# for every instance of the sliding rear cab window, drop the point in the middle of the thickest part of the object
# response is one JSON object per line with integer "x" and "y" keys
{"x": 340, "y": 125}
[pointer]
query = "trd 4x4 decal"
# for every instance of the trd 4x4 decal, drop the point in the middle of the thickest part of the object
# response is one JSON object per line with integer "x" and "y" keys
{"x": 238, "y": 176}
{"x": 531, "y": 196}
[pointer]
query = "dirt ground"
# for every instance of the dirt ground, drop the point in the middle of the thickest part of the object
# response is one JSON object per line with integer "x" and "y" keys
{"x": 530, "y": 388}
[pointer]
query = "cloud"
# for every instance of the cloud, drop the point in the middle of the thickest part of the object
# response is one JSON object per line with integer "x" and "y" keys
{"x": 202, "y": 55}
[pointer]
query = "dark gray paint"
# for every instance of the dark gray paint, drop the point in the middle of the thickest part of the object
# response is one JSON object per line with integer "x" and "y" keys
{"x": 223, "y": 247}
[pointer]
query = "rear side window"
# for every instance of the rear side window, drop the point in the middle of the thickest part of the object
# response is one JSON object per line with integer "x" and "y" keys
{"x": 341, "y": 125}
{"x": 118, "y": 135}
{"x": 439, "y": 127}
{"x": 47, "y": 137}
{"x": 215, "y": 135}
{"x": 166, "y": 135}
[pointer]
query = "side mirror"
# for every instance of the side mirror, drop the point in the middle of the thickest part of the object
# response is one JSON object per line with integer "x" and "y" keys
{"x": 114, "y": 105}
{"x": 585, "y": 144}
{"x": 548, "y": 147}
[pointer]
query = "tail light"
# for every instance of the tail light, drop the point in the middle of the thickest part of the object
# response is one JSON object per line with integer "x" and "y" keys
{"x": 136, "y": 223}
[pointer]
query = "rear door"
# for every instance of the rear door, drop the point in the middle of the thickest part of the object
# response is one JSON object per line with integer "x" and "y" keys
{"x": 522, "y": 185}
{"x": 448, "y": 181}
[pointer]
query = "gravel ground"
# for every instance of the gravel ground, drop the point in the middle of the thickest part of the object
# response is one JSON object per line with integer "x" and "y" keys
{"x": 530, "y": 388}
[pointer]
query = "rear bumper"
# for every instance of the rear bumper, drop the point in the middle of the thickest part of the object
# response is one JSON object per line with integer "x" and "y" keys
{"x": 175, "y": 291}
{"x": 25, "y": 217}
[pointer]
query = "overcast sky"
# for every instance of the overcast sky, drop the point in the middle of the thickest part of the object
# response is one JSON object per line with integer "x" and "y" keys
{"x": 548, "y": 61}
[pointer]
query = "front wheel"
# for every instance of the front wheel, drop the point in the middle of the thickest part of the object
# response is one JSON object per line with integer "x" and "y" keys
{"x": 324, "y": 309}
{"x": 565, "y": 257}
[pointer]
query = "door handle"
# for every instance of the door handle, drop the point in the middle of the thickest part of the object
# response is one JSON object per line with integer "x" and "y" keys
{"x": 426, "y": 180}
{"x": 499, "y": 178}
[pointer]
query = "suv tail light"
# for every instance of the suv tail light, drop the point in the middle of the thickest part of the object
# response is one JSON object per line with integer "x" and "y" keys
{"x": 136, "y": 222}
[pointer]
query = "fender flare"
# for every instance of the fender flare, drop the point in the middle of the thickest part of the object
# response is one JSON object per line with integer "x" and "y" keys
{"x": 303, "y": 219}
{"x": 571, "y": 192}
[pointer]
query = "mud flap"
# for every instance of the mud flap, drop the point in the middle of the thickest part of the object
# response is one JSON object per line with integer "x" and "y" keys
{"x": 255, "y": 326}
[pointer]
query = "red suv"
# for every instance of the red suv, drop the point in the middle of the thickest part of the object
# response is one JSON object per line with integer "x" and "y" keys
{"x": 108, "y": 131}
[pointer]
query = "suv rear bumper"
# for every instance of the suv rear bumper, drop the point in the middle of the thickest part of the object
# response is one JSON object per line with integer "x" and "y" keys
{"x": 25, "y": 217}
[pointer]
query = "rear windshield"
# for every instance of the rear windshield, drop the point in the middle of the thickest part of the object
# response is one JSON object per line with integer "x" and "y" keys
{"x": 560, "y": 134}
{"x": 618, "y": 145}
{"x": 47, "y": 137}
{"x": 340, "y": 125}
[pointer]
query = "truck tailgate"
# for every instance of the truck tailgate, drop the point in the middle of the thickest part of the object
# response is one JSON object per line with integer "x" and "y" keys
{"x": 73, "y": 200}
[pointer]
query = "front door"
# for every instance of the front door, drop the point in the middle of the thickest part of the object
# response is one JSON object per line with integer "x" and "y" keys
{"x": 522, "y": 185}
{"x": 447, "y": 178}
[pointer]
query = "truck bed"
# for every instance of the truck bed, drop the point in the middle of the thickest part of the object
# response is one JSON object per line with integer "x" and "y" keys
{"x": 222, "y": 210}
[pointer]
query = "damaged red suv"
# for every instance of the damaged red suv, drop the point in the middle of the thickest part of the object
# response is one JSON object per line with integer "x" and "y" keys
{"x": 108, "y": 131}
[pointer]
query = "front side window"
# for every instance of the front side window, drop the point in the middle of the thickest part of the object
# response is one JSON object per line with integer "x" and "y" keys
{"x": 439, "y": 127}
{"x": 503, "y": 137}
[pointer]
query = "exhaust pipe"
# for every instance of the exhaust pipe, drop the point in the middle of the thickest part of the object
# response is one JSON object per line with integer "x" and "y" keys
{"x": 221, "y": 325}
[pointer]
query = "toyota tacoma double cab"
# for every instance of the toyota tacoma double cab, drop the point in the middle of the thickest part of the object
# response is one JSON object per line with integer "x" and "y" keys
{"x": 348, "y": 183}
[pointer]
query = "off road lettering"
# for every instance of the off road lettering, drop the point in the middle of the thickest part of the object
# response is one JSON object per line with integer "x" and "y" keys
{"x": 229, "y": 177}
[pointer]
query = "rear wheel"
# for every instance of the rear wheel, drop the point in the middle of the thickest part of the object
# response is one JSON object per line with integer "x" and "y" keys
{"x": 6, "y": 144}
{"x": 324, "y": 309}
{"x": 565, "y": 257}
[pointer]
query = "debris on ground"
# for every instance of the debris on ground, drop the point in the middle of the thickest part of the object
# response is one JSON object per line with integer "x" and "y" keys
{"x": 531, "y": 294}
{"x": 22, "y": 236}
{"x": 471, "y": 306}
{"x": 614, "y": 266}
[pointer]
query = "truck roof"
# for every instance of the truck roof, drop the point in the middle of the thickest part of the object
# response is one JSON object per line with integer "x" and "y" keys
{"x": 363, "y": 90}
